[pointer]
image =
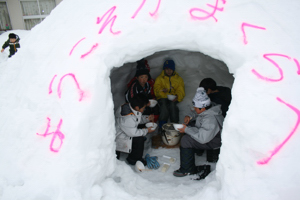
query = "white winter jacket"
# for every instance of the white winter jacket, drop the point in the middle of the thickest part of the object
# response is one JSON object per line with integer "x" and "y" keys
{"x": 208, "y": 124}
{"x": 127, "y": 120}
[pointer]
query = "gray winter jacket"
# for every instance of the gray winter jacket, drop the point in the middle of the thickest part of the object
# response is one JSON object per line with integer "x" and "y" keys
{"x": 127, "y": 120}
{"x": 208, "y": 124}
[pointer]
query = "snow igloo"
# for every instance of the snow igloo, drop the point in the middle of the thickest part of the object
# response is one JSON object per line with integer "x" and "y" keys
{"x": 57, "y": 111}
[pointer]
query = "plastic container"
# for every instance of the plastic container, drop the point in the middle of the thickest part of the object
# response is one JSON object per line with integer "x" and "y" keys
{"x": 165, "y": 167}
{"x": 168, "y": 159}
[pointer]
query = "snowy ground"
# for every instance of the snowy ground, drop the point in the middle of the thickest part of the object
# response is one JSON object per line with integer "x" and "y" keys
{"x": 158, "y": 184}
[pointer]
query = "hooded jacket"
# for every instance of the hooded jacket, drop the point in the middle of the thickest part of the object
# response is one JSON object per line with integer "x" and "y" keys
{"x": 127, "y": 120}
{"x": 208, "y": 124}
{"x": 12, "y": 46}
{"x": 174, "y": 84}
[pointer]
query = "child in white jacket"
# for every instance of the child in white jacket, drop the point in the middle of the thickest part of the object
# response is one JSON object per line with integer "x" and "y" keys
{"x": 129, "y": 137}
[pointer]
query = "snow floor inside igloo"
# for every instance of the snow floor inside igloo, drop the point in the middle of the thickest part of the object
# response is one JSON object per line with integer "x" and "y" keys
{"x": 192, "y": 67}
{"x": 157, "y": 175}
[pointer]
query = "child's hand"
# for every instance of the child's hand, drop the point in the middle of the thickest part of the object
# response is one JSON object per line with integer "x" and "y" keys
{"x": 150, "y": 130}
{"x": 175, "y": 98}
{"x": 187, "y": 120}
{"x": 165, "y": 90}
{"x": 151, "y": 118}
{"x": 2, "y": 50}
{"x": 182, "y": 130}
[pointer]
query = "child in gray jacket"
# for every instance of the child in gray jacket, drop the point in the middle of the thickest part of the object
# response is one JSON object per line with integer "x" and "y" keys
{"x": 204, "y": 135}
{"x": 129, "y": 137}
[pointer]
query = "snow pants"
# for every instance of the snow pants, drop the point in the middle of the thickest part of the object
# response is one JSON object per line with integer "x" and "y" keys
{"x": 188, "y": 142}
{"x": 168, "y": 109}
{"x": 137, "y": 150}
{"x": 188, "y": 146}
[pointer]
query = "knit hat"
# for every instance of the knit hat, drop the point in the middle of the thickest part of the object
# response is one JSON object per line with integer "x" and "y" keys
{"x": 169, "y": 64}
{"x": 142, "y": 64}
{"x": 201, "y": 100}
{"x": 140, "y": 72}
{"x": 12, "y": 36}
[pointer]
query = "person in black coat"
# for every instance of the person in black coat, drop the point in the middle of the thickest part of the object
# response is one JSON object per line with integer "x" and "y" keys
{"x": 142, "y": 86}
{"x": 13, "y": 43}
{"x": 218, "y": 94}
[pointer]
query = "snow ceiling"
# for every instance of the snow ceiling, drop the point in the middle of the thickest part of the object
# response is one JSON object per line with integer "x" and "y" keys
{"x": 56, "y": 107}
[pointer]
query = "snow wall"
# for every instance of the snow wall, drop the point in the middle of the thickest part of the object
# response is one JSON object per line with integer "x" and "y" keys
{"x": 58, "y": 86}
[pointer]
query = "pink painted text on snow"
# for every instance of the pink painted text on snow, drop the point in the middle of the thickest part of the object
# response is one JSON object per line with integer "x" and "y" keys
{"x": 277, "y": 149}
{"x": 90, "y": 51}
{"x": 56, "y": 134}
{"x": 76, "y": 45}
{"x": 108, "y": 20}
{"x": 81, "y": 92}
{"x": 208, "y": 14}
{"x": 266, "y": 56}
{"x": 249, "y": 25}
{"x": 140, "y": 7}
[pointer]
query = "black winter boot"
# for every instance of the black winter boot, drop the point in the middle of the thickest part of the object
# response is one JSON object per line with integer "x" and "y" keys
{"x": 202, "y": 171}
{"x": 212, "y": 155}
{"x": 187, "y": 163}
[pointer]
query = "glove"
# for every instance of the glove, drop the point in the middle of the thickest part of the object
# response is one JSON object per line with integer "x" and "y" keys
{"x": 152, "y": 162}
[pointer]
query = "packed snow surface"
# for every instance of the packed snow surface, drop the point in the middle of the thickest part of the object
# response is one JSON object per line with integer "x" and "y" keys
{"x": 60, "y": 90}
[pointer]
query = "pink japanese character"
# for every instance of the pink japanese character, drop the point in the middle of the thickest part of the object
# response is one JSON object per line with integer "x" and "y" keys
{"x": 108, "y": 20}
{"x": 75, "y": 46}
{"x": 266, "y": 56}
{"x": 56, "y": 134}
{"x": 277, "y": 149}
{"x": 208, "y": 15}
{"x": 249, "y": 25}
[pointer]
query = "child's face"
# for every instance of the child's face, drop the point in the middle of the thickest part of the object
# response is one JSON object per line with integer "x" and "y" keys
{"x": 168, "y": 71}
{"x": 142, "y": 79}
{"x": 12, "y": 40}
{"x": 199, "y": 110}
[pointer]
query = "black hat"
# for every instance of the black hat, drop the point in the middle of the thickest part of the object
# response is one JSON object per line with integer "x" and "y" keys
{"x": 140, "y": 72}
{"x": 12, "y": 36}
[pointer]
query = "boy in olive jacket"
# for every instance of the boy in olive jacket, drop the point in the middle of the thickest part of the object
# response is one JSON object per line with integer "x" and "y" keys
{"x": 13, "y": 43}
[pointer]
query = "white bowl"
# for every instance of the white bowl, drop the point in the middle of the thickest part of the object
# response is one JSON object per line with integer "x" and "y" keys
{"x": 177, "y": 126}
{"x": 151, "y": 124}
{"x": 171, "y": 97}
{"x": 139, "y": 166}
{"x": 152, "y": 103}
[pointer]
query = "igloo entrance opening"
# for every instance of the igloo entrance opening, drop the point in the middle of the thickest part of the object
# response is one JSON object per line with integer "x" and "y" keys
{"x": 192, "y": 67}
